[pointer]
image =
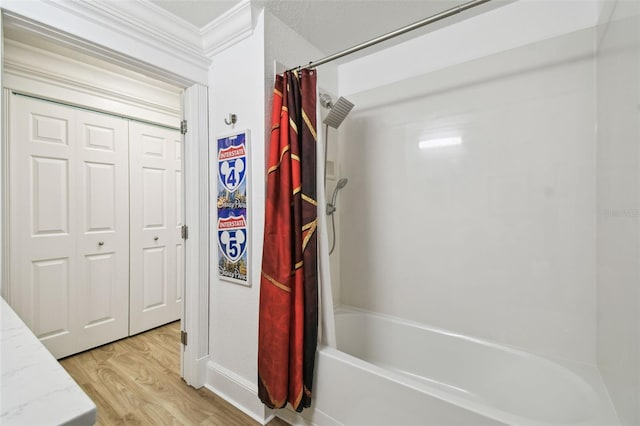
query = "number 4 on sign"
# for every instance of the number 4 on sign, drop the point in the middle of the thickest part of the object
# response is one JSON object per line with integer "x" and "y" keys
{"x": 231, "y": 171}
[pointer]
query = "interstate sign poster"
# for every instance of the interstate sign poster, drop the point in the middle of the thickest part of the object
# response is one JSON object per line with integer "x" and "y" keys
{"x": 232, "y": 227}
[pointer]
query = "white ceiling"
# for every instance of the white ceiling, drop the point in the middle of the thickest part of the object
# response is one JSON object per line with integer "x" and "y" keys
{"x": 333, "y": 25}
{"x": 197, "y": 12}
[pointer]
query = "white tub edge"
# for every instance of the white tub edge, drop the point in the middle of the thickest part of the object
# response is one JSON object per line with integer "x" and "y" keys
{"x": 587, "y": 373}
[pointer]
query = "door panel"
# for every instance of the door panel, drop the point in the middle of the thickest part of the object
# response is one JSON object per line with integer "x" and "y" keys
{"x": 43, "y": 223}
{"x": 154, "y": 279}
{"x": 49, "y": 128}
{"x": 100, "y": 197}
{"x": 154, "y": 191}
{"x": 103, "y": 238}
{"x": 51, "y": 298}
{"x": 154, "y": 220}
{"x": 179, "y": 272}
{"x": 179, "y": 202}
{"x": 50, "y": 189}
{"x": 100, "y": 279}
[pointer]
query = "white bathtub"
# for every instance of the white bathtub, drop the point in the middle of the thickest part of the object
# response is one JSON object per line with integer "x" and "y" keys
{"x": 388, "y": 371}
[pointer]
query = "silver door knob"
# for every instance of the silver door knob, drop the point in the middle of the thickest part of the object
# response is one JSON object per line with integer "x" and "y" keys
{"x": 155, "y": 238}
{"x": 101, "y": 243}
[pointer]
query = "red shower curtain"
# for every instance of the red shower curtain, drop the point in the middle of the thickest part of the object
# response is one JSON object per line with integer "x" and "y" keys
{"x": 288, "y": 328}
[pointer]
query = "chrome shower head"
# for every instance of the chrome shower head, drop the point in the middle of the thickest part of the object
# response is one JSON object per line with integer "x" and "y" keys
{"x": 338, "y": 110}
{"x": 342, "y": 183}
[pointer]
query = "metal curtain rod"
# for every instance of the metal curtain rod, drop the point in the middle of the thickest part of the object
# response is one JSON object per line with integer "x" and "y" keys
{"x": 431, "y": 19}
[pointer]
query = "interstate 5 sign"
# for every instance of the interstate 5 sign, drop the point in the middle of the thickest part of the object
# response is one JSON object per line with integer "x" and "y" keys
{"x": 232, "y": 237}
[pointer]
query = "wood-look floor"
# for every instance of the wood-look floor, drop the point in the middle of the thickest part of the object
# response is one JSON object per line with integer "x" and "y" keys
{"x": 136, "y": 381}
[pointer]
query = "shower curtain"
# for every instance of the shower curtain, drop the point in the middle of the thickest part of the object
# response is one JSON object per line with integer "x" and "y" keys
{"x": 288, "y": 328}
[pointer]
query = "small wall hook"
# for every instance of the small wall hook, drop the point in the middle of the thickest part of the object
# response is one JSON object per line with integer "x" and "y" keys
{"x": 232, "y": 120}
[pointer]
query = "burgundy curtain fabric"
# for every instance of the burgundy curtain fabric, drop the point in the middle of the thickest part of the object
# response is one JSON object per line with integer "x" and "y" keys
{"x": 288, "y": 329}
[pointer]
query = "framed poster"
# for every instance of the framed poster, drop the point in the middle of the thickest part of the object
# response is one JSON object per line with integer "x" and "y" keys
{"x": 232, "y": 221}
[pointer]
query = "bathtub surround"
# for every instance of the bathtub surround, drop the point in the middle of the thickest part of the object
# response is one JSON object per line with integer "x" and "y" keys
{"x": 618, "y": 206}
{"x": 288, "y": 329}
{"x": 492, "y": 237}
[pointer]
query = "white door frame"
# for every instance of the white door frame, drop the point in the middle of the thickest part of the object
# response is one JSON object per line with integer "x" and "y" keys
{"x": 196, "y": 190}
{"x": 3, "y": 178}
{"x": 196, "y": 315}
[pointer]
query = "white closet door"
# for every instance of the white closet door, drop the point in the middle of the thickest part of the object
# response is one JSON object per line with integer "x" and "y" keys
{"x": 43, "y": 221}
{"x": 156, "y": 246}
{"x": 66, "y": 195}
{"x": 103, "y": 238}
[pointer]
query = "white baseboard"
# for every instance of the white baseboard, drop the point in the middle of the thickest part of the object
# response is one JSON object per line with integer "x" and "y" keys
{"x": 243, "y": 394}
{"x": 309, "y": 417}
{"x": 238, "y": 391}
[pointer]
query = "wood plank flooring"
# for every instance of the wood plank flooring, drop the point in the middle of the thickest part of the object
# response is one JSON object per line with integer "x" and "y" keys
{"x": 136, "y": 381}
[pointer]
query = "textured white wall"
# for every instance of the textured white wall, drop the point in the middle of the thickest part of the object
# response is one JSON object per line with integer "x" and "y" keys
{"x": 236, "y": 85}
{"x": 618, "y": 170}
{"x": 495, "y": 237}
{"x": 241, "y": 82}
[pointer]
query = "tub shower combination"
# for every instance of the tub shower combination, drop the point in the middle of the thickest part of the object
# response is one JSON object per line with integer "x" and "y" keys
{"x": 406, "y": 373}
{"x": 526, "y": 171}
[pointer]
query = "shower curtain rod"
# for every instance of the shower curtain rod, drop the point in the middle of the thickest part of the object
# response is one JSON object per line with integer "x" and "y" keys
{"x": 431, "y": 19}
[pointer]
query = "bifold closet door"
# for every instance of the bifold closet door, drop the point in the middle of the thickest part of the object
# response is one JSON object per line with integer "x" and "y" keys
{"x": 68, "y": 224}
{"x": 103, "y": 238}
{"x": 156, "y": 217}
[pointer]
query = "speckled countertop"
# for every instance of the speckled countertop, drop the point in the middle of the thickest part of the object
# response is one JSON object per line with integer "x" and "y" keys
{"x": 34, "y": 388}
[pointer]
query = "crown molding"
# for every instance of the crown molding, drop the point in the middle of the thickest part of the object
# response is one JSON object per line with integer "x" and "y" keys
{"x": 96, "y": 25}
{"x": 234, "y": 25}
{"x": 82, "y": 46}
{"x": 145, "y": 22}
{"x": 135, "y": 33}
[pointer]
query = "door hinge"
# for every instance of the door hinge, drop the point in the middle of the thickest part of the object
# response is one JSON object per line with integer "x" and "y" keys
{"x": 183, "y": 337}
{"x": 185, "y": 232}
{"x": 183, "y": 127}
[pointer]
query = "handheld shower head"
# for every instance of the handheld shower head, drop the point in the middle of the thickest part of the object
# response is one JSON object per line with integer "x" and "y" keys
{"x": 342, "y": 183}
{"x": 331, "y": 207}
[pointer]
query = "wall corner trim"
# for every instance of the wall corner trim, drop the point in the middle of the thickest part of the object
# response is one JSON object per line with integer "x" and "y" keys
{"x": 230, "y": 28}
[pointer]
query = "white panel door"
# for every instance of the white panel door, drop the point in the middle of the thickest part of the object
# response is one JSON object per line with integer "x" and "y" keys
{"x": 155, "y": 244}
{"x": 103, "y": 237}
{"x": 43, "y": 220}
{"x": 65, "y": 197}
